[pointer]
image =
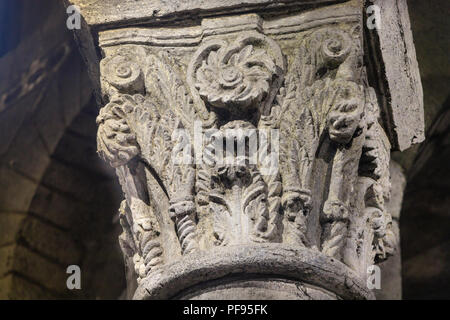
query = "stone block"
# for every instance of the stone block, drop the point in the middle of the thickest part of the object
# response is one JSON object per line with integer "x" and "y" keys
{"x": 28, "y": 153}
{"x": 69, "y": 83}
{"x": 14, "y": 287}
{"x": 39, "y": 269}
{"x": 397, "y": 59}
{"x": 48, "y": 118}
{"x": 391, "y": 274}
{"x": 6, "y": 259}
{"x": 17, "y": 191}
{"x": 75, "y": 182}
{"x": 10, "y": 224}
{"x": 61, "y": 210}
{"x": 398, "y": 184}
{"x": 12, "y": 118}
{"x": 50, "y": 242}
{"x": 114, "y": 11}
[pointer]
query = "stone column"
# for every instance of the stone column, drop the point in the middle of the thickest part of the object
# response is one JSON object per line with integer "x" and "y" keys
{"x": 252, "y": 141}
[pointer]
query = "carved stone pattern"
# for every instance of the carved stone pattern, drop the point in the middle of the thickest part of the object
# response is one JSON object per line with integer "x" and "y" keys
{"x": 331, "y": 145}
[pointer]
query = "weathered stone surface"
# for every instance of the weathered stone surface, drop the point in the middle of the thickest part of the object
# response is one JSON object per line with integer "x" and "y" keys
{"x": 10, "y": 225}
{"x": 6, "y": 259}
{"x": 38, "y": 157}
{"x": 61, "y": 210}
{"x": 13, "y": 117}
{"x": 404, "y": 93}
{"x": 266, "y": 289}
{"x": 61, "y": 176}
{"x": 42, "y": 89}
{"x": 48, "y": 240}
{"x": 391, "y": 270}
{"x": 14, "y": 287}
{"x": 49, "y": 111}
{"x": 398, "y": 182}
{"x": 268, "y": 259}
{"x": 130, "y": 11}
{"x": 17, "y": 259}
{"x": 317, "y": 211}
{"x": 33, "y": 66}
{"x": 391, "y": 273}
{"x": 15, "y": 197}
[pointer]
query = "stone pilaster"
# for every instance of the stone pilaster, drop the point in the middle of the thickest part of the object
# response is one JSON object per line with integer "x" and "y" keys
{"x": 300, "y": 210}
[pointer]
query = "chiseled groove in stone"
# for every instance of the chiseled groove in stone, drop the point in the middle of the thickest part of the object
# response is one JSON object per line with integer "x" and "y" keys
{"x": 254, "y": 281}
{"x": 311, "y": 19}
{"x": 302, "y": 264}
{"x": 191, "y": 36}
{"x": 157, "y": 36}
{"x": 103, "y": 14}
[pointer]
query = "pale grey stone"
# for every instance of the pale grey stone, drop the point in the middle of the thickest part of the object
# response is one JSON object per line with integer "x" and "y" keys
{"x": 268, "y": 261}
{"x": 132, "y": 12}
{"x": 403, "y": 95}
{"x": 318, "y": 218}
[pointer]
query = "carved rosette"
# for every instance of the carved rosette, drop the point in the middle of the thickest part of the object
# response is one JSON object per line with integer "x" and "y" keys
{"x": 324, "y": 195}
{"x": 238, "y": 75}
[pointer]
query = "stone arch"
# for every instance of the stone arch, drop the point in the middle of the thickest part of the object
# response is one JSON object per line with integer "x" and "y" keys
{"x": 55, "y": 199}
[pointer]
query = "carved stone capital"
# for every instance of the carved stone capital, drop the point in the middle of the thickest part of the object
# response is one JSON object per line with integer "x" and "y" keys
{"x": 300, "y": 205}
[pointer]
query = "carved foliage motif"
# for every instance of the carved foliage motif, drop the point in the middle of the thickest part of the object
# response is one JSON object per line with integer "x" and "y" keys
{"x": 330, "y": 143}
{"x": 238, "y": 193}
{"x": 140, "y": 125}
{"x": 116, "y": 142}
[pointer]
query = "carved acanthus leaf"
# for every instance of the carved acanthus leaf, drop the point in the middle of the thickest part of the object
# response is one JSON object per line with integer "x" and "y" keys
{"x": 167, "y": 91}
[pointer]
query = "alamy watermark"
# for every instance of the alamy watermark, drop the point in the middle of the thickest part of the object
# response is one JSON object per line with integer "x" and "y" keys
{"x": 74, "y": 19}
{"x": 373, "y": 17}
{"x": 373, "y": 11}
{"x": 374, "y": 277}
{"x": 74, "y": 280}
